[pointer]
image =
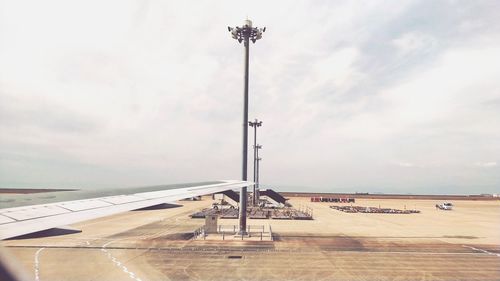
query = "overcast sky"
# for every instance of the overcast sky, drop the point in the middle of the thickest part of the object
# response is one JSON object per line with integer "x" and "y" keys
{"x": 367, "y": 96}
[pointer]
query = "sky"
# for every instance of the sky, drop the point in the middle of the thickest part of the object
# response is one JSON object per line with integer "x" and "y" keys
{"x": 355, "y": 96}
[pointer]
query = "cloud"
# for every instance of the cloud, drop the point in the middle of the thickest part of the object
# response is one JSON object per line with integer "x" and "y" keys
{"x": 486, "y": 164}
{"x": 151, "y": 92}
{"x": 405, "y": 164}
{"x": 412, "y": 42}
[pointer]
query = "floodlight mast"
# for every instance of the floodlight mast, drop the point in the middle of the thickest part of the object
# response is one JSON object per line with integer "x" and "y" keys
{"x": 257, "y": 182}
{"x": 245, "y": 34}
{"x": 255, "y": 195}
{"x": 257, "y": 171}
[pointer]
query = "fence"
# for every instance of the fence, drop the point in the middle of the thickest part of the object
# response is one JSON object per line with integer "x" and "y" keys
{"x": 229, "y": 232}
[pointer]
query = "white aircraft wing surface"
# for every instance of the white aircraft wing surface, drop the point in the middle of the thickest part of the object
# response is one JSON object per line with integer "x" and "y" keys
{"x": 23, "y": 218}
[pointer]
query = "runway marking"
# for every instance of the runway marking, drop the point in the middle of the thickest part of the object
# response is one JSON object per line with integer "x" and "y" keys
{"x": 118, "y": 263}
{"x": 251, "y": 250}
{"x": 37, "y": 264}
{"x": 481, "y": 250}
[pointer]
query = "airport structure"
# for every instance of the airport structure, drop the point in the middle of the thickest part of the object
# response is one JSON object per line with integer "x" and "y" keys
{"x": 255, "y": 195}
{"x": 245, "y": 34}
{"x": 386, "y": 243}
{"x": 257, "y": 162}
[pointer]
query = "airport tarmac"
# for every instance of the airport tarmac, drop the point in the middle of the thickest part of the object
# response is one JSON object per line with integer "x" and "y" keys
{"x": 462, "y": 244}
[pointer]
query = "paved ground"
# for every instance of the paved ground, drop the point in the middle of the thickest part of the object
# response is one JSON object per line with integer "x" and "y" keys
{"x": 155, "y": 245}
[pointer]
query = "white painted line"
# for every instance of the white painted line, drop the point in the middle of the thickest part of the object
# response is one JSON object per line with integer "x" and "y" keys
{"x": 118, "y": 263}
{"x": 481, "y": 250}
{"x": 37, "y": 264}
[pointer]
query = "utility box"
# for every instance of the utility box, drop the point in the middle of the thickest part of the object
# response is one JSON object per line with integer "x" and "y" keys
{"x": 218, "y": 196}
{"x": 211, "y": 224}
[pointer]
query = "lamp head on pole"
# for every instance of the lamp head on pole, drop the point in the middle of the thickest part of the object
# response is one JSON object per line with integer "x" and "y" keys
{"x": 256, "y": 123}
{"x": 246, "y": 32}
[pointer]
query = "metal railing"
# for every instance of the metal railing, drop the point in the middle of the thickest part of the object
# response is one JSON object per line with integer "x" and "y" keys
{"x": 253, "y": 231}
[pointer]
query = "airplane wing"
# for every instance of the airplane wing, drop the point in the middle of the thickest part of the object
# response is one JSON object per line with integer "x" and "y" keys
{"x": 55, "y": 210}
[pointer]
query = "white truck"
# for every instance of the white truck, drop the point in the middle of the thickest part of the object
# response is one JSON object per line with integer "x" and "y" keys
{"x": 445, "y": 206}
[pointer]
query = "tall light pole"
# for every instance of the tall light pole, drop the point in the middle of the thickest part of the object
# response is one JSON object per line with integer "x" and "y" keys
{"x": 256, "y": 170}
{"x": 245, "y": 34}
{"x": 255, "y": 124}
{"x": 258, "y": 167}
